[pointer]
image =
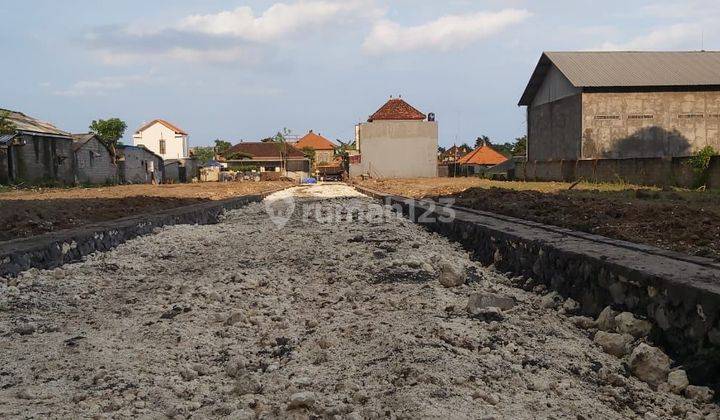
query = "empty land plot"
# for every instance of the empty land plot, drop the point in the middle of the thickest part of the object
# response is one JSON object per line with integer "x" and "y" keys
{"x": 678, "y": 220}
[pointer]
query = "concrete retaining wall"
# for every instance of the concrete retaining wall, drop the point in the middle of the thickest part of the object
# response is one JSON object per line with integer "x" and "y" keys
{"x": 55, "y": 249}
{"x": 642, "y": 171}
{"x": 679, "y": 293}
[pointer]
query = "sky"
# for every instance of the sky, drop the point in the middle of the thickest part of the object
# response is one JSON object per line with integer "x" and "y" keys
{"x": 243, "y": 70}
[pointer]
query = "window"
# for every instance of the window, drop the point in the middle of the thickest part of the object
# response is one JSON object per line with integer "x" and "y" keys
{"x": 691, "y": 115}
{"x": 607, "y": 117}
{"x": 162, "y": 147}
{"x": 640, "y": 117}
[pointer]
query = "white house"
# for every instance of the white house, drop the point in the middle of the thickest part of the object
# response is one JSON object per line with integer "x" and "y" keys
{"x": 163, "y": 138}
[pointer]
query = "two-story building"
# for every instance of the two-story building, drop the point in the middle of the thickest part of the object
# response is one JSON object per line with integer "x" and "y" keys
{"x": 163, "y": 138}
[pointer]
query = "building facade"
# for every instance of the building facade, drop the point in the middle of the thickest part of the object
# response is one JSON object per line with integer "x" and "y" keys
{"x": 324, "y": 148}
{"x": 94, "y": 162}
{"x": 164, "y": 139}
{"x": 622, "y": 105}
{"x": 397, "y": 141}
{"x": 139, "y": 165}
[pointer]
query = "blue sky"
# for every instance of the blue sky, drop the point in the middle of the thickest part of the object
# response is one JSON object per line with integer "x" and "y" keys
{"x": 246, "y": 69}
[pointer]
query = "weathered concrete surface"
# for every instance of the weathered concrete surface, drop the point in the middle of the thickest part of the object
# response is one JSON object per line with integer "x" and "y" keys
{"x": 55, "y": 249}
{"x": 680, "y": 294}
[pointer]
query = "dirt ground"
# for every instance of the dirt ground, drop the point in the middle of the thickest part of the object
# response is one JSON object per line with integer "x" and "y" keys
{"x": 341, "y": 316}
{"x": 26, "y": 213}
{"x": 683, "y": 221}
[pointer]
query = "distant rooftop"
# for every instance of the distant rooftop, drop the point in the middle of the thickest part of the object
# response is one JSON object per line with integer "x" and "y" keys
{"x": 396, "y": 109}
{"x": 628, "y": 69}
{"x": 314, "y": 141}
{"x": 167, "y": 124}
{"x": 24, "y": 123}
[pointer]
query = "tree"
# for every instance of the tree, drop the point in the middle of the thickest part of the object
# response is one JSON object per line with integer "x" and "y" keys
{"x": 221, "y": 146}
{"x": 203, "y": 154}
{"x": 281, "y": 140}
{"x": 6, "y": 126}
{"x": 109, "y": 131}
{"x": 441, "y": 150}
{"x": 481, "y": 141}
{"x": 520, "y": 146}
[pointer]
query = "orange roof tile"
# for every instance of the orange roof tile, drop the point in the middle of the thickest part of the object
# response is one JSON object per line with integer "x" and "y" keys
{"x": 483, "y": 155}
{"x": 173, "y": 127}
{"x": 396, "y": 109}
{"x": 315, "y": 142}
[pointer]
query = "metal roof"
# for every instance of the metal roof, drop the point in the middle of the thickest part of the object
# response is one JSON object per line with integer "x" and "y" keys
{"x": 25, "y": 124}
{"x": 628, "y": 69}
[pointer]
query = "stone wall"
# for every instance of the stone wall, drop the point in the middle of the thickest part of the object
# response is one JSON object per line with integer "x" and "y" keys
{"x": 647, "y": 171}
{"x": 680, "y": 294}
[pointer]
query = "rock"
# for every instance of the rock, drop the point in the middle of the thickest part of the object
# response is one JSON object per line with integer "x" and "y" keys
{"x": 24, "y": 394}
{"x": 571, "y": 306}
{"x": 235, "y": 318}
{"x": 188, "y": 373}
{"x": 303, "y": 399}
{"x": 247, "y": 385}
{"x": 583, "y": 322}
{"x": 489, "y": 314}
{"x": 628, "y": 324}
{"x": 616, "y": 344}
{"x": 606, "y": 319}
{"x": 678, "y": 381}
{"x": 491, "y": 399}
{"x": 451, "y": 275}
{"x": 479, "y": 301}
{"x": 551, "y": 300}
{"x": 26, "y": 328}
{"x": 379, "y": 254}
{"x": 701, "y": 394}
{"x": 236, "y": 366}
{"x": 649, "y": 364}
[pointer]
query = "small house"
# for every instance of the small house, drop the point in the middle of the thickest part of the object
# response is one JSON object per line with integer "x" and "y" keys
{"x": 481, "y": 158}
{"x": 139, "y": 165}
{"x": 94, "y": 161}
{"x": 268, "y": 156}
{"x": 397, "y": 141}
{"x": 36, "y": 152}
{"x": 163, "y": 138}
{"x": 324, "y": 149}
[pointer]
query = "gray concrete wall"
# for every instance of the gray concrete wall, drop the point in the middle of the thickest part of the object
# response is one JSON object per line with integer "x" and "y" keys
{"x": 4, "y": 174}
{"x": 642, "y": 171}
{"x": 43, "y": 159}
{"x": 398, "y": 149}
{"x": 649, "y": 124}
{"x": 134, "y": 168}
{"x": 94, "y": 164}
{"x": 555, "y": 129}
{"x": 555, "y": 86}
{"x": 171, "y": 174}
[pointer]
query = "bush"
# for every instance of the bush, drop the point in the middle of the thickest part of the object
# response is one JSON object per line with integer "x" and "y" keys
{"x": 700, "y": 163}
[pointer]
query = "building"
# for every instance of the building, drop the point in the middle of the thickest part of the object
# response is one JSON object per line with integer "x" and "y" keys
{"x": 324, "y": 148}
{"x": 180, "y": 170}
{"x": 164, "y": 139}
{"x": 397, "y": 141}
{"x": 36, "y": 152}
{"x": 94, "y": 161}
{"x": 282, "y": 158}
{"x": 622, "y": 105}
{"x": 453, "y": 154}
{"x": 481, "y": 158}
{"x": 139, "y": 165}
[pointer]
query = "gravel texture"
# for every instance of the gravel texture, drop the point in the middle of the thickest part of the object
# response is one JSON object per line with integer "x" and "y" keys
{"x": 336, "y": 314}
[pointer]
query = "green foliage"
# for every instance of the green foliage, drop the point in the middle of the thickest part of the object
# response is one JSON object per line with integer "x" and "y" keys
{"x": 109, "y": 131}
{"x": 238, "y": 156}
{"x": 221, "y": 146}
{"x": 309, "y": 153}
{"x": 203, "y": 154}
{"x": 700, "y": 163}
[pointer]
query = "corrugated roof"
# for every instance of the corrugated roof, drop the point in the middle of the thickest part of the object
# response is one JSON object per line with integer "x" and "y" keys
{"x": 315, "y": 142}
{"x": 396, "y": 109}
{"x": 483, "y": 155}
{"x": 167, "y": 124}
{"x": 628, "y": 69}
{"x": 264, "y": 150}
{"x": 24, "y": 123}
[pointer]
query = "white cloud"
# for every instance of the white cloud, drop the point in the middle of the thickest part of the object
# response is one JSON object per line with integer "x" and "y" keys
{"x": 277, "y": 21}
{"x": 445, "y": 33}
{"x": 681, "y": 35}
{"x": 102, "y": 86}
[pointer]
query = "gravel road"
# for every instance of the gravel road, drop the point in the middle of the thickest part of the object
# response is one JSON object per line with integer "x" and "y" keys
{"x": 332, "y": 315}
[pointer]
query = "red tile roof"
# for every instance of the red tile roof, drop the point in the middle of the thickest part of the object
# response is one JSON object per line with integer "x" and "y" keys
{"x": 483, "y": 155}
{"x": 396, "y": 109}
{"x": 264, "y": 150}
{"x": 173, "y": 127}
{"x": 315, "y": 142}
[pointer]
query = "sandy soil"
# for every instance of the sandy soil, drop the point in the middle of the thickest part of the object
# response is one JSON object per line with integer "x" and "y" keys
{"x": 343, "y": 319}
{"x": 32, "y": 212}
{"x": 683, "y": 221}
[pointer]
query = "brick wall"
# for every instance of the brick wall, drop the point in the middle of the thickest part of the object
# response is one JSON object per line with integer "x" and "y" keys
{"x": 43, "y": 159}
{"x": 94, "y": 164}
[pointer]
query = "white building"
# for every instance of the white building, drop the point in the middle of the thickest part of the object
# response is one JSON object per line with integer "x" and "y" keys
{"x": 163, "y": 138}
